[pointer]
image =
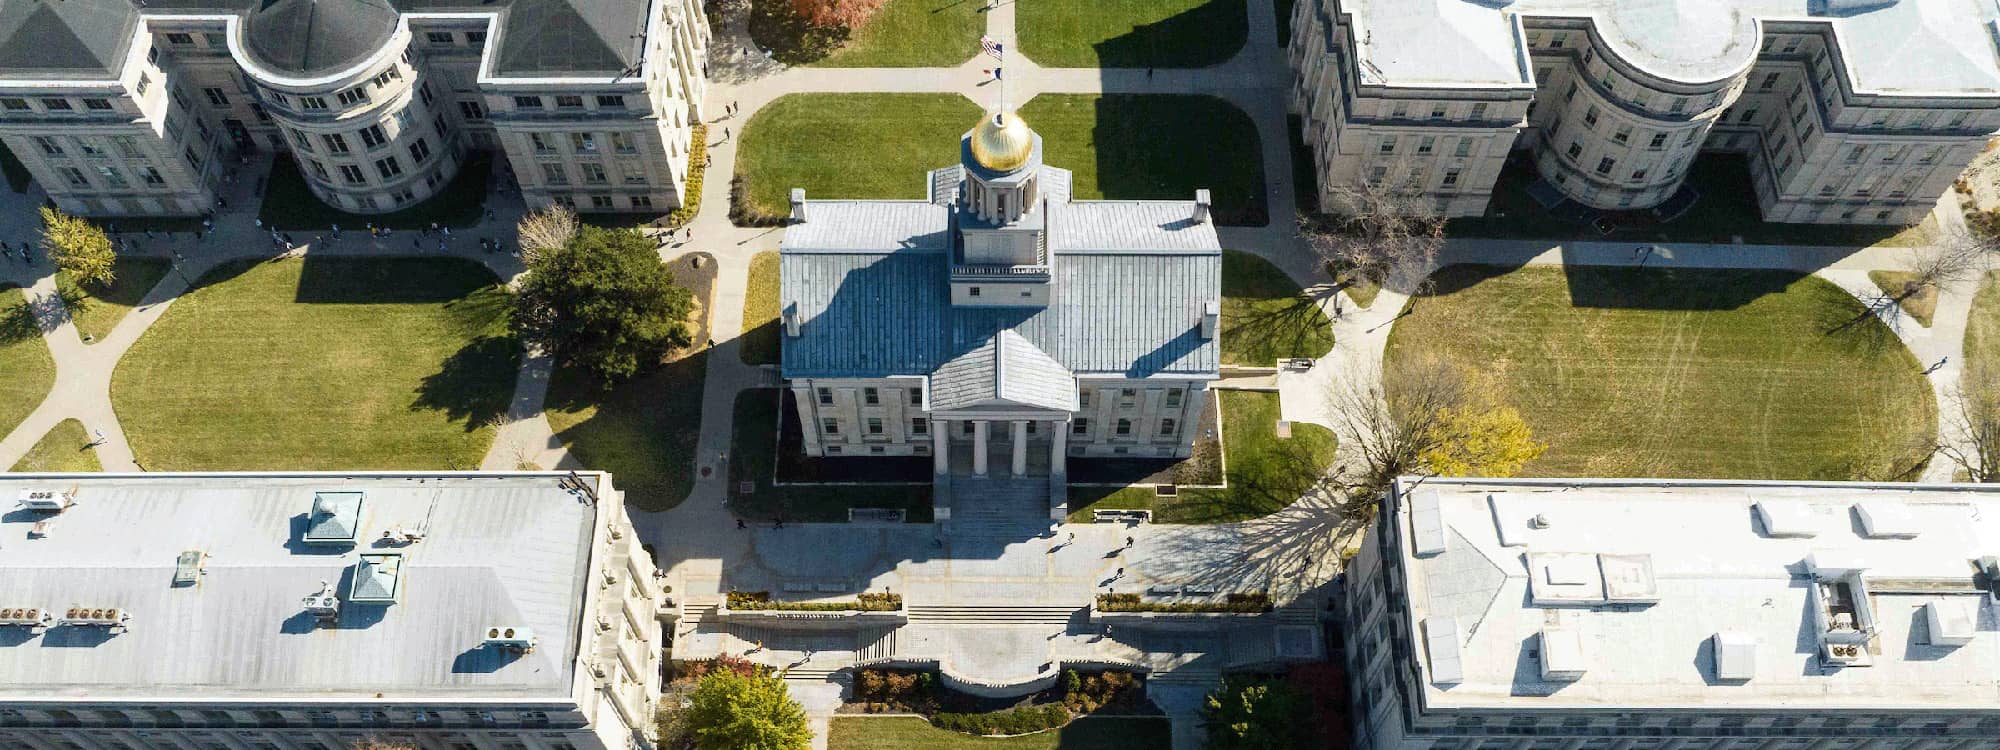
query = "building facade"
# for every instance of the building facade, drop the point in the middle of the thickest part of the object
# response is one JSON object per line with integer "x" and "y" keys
{"x": 137, "y": 110}
{"x": 1675, "y": 615}
{"x": 999, "y": 312}
{"x": 1848, "y": 111}
{"x": 444, "y": 611}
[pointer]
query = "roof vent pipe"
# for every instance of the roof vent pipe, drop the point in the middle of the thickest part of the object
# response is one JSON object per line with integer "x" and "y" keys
{"x": 1211, "y": 318}
{"x": 1202, "y": 202}
{"x": 798, "y": 205}
{"x": 792, "y": 323}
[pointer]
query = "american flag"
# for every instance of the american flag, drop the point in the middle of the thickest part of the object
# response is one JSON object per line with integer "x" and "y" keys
{"x": 991, "y": 47}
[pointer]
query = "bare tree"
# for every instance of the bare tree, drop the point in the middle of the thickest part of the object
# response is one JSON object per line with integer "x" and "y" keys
{"x": 1976, "y": 420}
{"x": 1953, "y": 257}
{"x": 545, "y": 230}
{"x": 1383, "y": 232}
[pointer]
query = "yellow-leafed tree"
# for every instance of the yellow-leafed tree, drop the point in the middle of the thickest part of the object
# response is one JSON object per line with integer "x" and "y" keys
{"x": 78, "y": 247}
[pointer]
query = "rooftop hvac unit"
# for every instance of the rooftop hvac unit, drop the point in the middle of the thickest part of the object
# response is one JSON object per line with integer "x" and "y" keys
{"x": 30, "y": 617}
{"x": 511, "y": 637}
{"x": 47, "y": 500}
{"x": 323, "y": 605}
{"x": 100, "y": 617}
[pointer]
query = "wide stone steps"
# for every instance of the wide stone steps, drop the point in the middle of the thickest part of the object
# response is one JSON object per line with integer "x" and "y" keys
{"x": 1199, "y": 677}
{"x": 994, "y": 615}
{"x": 874, "y": 646}
{"x": 1005, "y": 509}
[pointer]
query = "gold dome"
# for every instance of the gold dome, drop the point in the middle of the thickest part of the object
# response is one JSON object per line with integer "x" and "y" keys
{"x": 1002, "y": 142}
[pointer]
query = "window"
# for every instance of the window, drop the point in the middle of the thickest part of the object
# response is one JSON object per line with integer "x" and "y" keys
{"x": 1174, "y": 398}
{"x": 540, "y": 144}
{"x": 152, "y": 176}
{"x": 193, "y": 159}
{"x": 569, "y": 101}
{"x": 1575, "y": 150}
{"x": 920, "y": 426}
{"x": 1479, "y": 111}
{"x": 874, "y": 425}
{"x": 553, "y": 174}
{"x": 472, "y": 110}
{"x": 388, "y": 167}
{"x": 258, "y": 110}
{"x": 1605, "y": 164}
{"x": 593, "y": 172}
{"x": 1127, "y": 397}
{"x": 1770, "y": 81}
{"x": 100, "y": 105}
{"x": 1854, "y": 154}
{"x": 610, "y": 101}
{"x": 438, "y": 37}
{"x": 1450, "y": 177}
{"x": 1638, "y": 174}
{"x": 634, "y": 171}
{"x": 1464, "y": 148}
{"x": 974, "y": 291}
{"x": 318, "y": 169}
{"x": 829, "y": 425}
{"x": 215, "y": 96}
{"x": 1401, "y": 111}
{"x": 1659, "y": 141}
{"x": 1437, "y": 111}
{"x": 527, "y": 102}
{"x": 352, "y": 96}
{"x": 391, "y": 74}
{"x": 420, "y": 151}
{"x": 335, "y": 143}
{"x": 50, "y": 146}
{"x": 583, "y": 143}
{"x": 1168, "y": 427}
{"x": 622, "y": 143}
{"x": 75, "y": 177}
{"x": 1623, "y": 135}
{"x": 56, "y": 105}
{"x": 14, "y": 104}
{"x": 475, "y": 38}
{"x": 825, "y": 396}
{"x": 1388, "y": 144}
{"x": 423, "y": 91}
{"x": 1590, "y": 115}
{"x": 1424, "y": 146}
{"x": 145, "y": 81}
{"x": 372, "y": 137}
{"x": 1124, "y": 427}
{"x": 1080, "y": 426}
{"x": 1083, "y": 399}
{"x": 1571, "y": 93}
{"x": 312, "y": 102}
{"x": 180, "y": 38}
{"x": 352, "y": 174}
{"x": 871, "y": 397}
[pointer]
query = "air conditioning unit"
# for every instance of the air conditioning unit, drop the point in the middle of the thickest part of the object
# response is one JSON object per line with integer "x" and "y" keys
{"x": 511, "y": 637}
{"x": 47, "y": 500}
{"x": 29, "y": 617}
{"x": 324, "y": 605}
{"x": 101, "y": 617}
{"x": 1846, "y": 654}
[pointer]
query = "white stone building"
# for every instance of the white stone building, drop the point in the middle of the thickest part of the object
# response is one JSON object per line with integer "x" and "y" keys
{"x": 446, "y": 611}
{"x": 1632, "y": 614}
{"x": 999, "y": 312}
{"x": 1849, "y": 111}
{"x": 134, "y": 109}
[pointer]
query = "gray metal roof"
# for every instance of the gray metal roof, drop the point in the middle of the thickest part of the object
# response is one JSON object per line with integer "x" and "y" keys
{"x": 1144, "y": 226}
{"x": 336, "y": 516}
{"x": 1006, "y": 370}
{"x": 870, "y": 226}
{"x": 531, "y": 38}
{"x": 500, "y": 550}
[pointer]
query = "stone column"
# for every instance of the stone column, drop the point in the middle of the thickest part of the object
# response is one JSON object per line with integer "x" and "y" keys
{"x": 1058, "y": 448}
{"x": 805, "y": 402}
{"x": 979, "y": 427}
{"x": 941, "y": 446}
{"x": 1020, "y": 447}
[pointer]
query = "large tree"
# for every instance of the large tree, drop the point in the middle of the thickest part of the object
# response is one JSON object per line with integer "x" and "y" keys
{"x": 78, "y": 247}
{"x": 603, "y": 302}
{"x": 847, "y": 14}
{"x": 1378, "y": 232}
{"x": 545, "y": 230}
{"x": 1252, "y": 714}
{"x": 731, "y": 711}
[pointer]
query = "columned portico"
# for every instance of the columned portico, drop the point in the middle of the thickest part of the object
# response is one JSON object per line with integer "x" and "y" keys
{"x": 941, "y": 446}
{"x": 1022, "y": 460}
{"x": 1020, "y": 463}
{"x": 979, "y": 429}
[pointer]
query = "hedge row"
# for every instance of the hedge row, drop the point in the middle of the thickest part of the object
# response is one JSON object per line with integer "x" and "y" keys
{"x": 761, "y": 600}
{"x": 697, "y": 168}
{"x": 1013, "y": 721}
{"x": 1244, "y": 603}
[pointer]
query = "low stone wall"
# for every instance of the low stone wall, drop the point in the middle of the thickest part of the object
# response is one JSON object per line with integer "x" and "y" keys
{"x": 1041, "y": 680}
{"x": 1175, "y": 621}
{"x": 786, "y": 619}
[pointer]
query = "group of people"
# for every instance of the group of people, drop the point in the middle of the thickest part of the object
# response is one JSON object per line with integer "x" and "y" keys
{"x": 22, "y": 251}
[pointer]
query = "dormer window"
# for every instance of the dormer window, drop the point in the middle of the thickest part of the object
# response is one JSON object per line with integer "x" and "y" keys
{"x": 973, "y": 291}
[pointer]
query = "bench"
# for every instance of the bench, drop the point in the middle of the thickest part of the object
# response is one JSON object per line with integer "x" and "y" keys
{"x": 1121, "y": 516}
{"x": 874, "y": 515}
{"x": 1298, "y": 364}
{"x": 799, "y": 587}
{"x": 831, "y": 588}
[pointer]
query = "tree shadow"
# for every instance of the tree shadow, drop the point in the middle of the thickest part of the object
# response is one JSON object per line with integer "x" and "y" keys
{"x": 1167, "y": 146}
{"x": 643, "y": 430}
{"x": 35, "y": 317}
{"x": 376, "y": 281}
{"x": 1673, "y": 288}
{"x": 475, "y": 385}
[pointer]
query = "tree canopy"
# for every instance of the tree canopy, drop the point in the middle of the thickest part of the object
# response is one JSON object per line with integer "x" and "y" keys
{"x": 732, "y": 711}
{"x": 78, "y": 247}
{"x": 842, "y": 13}
{"x": 1252, "y": 714}
{"x": 603, "y": 302}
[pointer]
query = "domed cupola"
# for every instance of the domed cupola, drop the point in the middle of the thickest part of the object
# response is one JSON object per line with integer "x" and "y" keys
{"x": 1002, "y": 159}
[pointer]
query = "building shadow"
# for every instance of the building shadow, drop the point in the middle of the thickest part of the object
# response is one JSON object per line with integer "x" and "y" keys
{"x": 1208, "y": 34}
{"x": 1167, "y": 146}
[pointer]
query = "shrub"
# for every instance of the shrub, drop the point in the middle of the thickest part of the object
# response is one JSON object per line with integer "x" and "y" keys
{"x": 761, "y": 600}
{"x": 1014, "y": 721}
{"x": 697, "y": 169}
{"x": 886, "y": 690}
{"x": 1246, "y": 603}
{"x": 745, "y": 213}
{"x": 1111, "y": 690}
{"x": 687, "y": 671}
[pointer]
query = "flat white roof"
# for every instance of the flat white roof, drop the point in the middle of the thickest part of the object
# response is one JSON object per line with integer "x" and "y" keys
{"x": 1581, "y": 554}
{"x": 1906, "y": 46}
{"x": 498, "y": 550}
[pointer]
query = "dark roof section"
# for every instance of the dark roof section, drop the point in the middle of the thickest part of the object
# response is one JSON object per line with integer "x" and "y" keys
{"x": 314, "y": 37}
{"x": 65, "y": 38}
{"x": 532, "y": 38}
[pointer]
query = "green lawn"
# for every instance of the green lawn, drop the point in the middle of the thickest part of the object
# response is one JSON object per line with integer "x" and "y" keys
{"x": 1921, "y": 305}
{"x": 65, "y": 448}
{"x": 1266, "y": 317}
{"x": 753, "y": 453}
{"x": 27, "y": 372}
{"x": 97, "y": 311}
{"x": 1683, "y": 373}
{"x": 904, "y": 33}
{"x": 290, "y": 205}
{"x": 1119, "y": 146}
{"x": 1726, "y": 211}
{"x": 848, "y": 146}
{"x": 1131, "y": 33}
{"x": 760, "y": 311}
{"x": 322, "y": 363}
{"x": 16, "y": 173}
{"x": 1262, "y": 472}
{"x": 913, "y": 733}
{"x": 1155, "y": 147}
{"x": 1982, "y": 334}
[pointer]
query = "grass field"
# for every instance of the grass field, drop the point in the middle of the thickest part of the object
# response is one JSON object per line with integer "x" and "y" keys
{"x": 849, "y": 146}
{"x": 27, "y": 372}
{"x": 1921, "y": 305}
{"x": 904, "y": 33}
{"x": 1131, "y": 33}
{"x": 1982, "y": 334}
{"x": 913, "y": 733}
{"x": 322, "y": 363}
{"x": 1262, "y": 472}
{"x": 1155, "y": 147}
{"x": 290, "y": 205}
{"x": 643, "y": 430}
{"x": 760, "y": 311}
{"x": 1266, "y": 317}
{"x": 753, "y": 455}
{"x": 1683, "y": 373}
{"x": 97, "y": 311}
{"x": 65, "y": 448}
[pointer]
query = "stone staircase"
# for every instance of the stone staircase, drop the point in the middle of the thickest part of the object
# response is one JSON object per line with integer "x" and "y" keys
{"x": 872, "y": 645}
{"x": 999, "y": 509}
{"x": 993, "y": 615}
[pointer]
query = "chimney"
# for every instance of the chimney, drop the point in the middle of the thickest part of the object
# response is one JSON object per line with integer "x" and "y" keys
{"x": 792, "y": 321}
{"x": 1201, "y": 205}
{"x": 1211, "y": 318}
{"x": 798, "y": 206}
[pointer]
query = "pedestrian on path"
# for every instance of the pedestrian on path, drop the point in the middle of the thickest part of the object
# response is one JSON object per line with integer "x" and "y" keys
{"x": 1936, "y": 366}
{"x": 741, "y": 525}
{"x": 100, "y": 439}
